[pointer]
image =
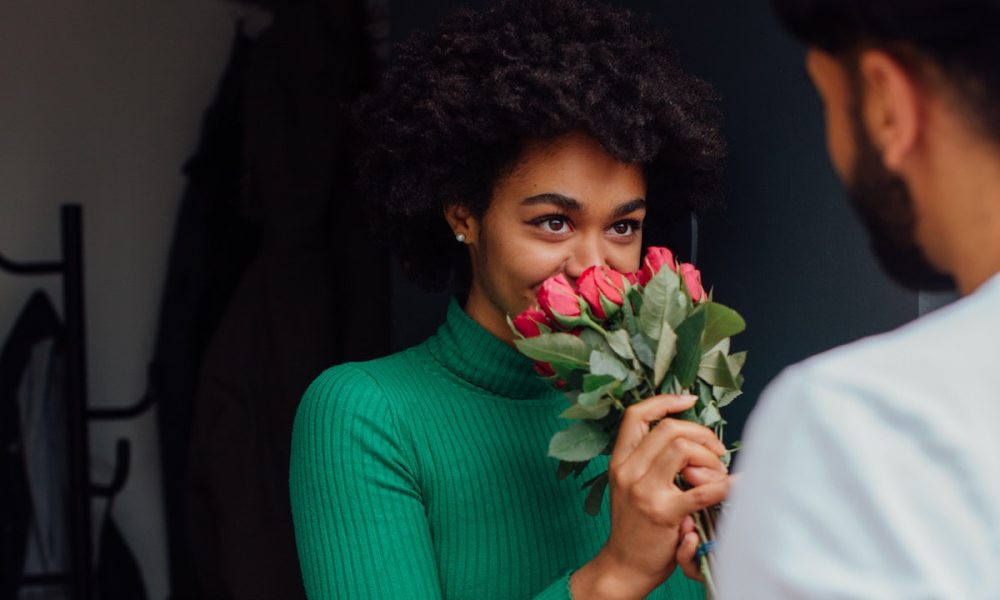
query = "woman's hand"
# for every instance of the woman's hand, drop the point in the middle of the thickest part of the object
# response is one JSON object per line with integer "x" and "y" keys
{"x": 648, "y": 509}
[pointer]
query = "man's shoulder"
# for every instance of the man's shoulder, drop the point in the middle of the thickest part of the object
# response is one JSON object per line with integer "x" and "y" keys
{"x": 934, "y": 347}
{"x": 935, "y": 368}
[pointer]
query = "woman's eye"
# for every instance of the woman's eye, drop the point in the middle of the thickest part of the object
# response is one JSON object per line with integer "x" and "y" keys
{"x": 554, "y": 225}
{"x": 625, "y": 227}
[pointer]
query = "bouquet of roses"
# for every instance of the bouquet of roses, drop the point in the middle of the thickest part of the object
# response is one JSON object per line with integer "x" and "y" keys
{"x": 617, "y": 338}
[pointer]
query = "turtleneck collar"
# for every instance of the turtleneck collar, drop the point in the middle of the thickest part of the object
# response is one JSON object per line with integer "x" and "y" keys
{"x": 474, "y": 354}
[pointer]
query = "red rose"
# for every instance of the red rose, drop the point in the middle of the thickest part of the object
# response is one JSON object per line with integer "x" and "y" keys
{"x": 544, "y": 369}
{"x": 655, "y": 258}
{"x": 692, "y": 281}
{"x": 532, "y": 322}
{"x": 604, "y": 290}
{"x": 633, "y": 277}
{"x": 559, "y": 301}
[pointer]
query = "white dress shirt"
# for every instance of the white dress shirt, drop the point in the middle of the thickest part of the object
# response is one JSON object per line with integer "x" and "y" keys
{"x": 873, "y": 470}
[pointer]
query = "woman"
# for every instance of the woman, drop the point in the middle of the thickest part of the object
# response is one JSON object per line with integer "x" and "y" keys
{"x": 516, "y": 144}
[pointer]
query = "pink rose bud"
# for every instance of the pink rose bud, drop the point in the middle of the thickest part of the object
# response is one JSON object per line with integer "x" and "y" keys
{"x": 559, "y": 301}
{"x": 692, "y": 281}
{"x": 604, "y": 290}
{"x": 656, "y": 258}
{"x": 532, "y": 322}
{"x": 632, "y": 277}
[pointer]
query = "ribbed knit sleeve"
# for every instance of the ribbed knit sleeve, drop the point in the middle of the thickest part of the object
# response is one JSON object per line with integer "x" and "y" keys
{"x": 360, "y": 527}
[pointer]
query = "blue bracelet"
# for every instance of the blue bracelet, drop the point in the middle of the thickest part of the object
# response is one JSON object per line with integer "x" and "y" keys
{"x": 704, "y": 550}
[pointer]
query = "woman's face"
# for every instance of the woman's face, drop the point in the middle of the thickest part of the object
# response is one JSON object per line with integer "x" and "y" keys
{"x": 566, "y": 206}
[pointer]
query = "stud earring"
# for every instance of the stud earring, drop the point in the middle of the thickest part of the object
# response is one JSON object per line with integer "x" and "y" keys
{"x": 460, "y": 238}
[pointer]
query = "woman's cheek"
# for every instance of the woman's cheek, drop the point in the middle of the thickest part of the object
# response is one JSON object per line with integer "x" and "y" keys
{"x": 539, "y": 261}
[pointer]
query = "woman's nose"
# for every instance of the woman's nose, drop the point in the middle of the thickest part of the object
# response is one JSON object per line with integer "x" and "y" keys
{"x": 584, "y": 254}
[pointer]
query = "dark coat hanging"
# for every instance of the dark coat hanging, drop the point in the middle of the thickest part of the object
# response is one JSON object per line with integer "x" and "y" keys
{"x": 275, "y": 278}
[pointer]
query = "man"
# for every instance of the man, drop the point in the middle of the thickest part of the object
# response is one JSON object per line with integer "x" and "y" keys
{"x": 873, "y": 470}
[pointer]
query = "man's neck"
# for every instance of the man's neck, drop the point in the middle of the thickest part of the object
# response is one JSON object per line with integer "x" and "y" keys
{"x": 960, "y": 191}
{"x": 974, "y": 236}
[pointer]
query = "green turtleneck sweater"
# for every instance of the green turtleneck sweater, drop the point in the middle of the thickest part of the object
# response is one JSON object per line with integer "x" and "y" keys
{"x": 424, "y": 475}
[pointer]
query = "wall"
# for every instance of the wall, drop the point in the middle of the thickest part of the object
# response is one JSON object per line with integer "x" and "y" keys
{"x": 101, "y": 106}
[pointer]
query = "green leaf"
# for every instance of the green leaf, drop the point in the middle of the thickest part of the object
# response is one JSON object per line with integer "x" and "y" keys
{"x": 662, "y": 303}
{"x": 670, "y": 385}
{"x": 726, "y": 397}
{"x": 643, "y": 350}
{"x": 567, "y": 468}
{"x": 736, "y": 362}
{"x": 635, "y": 297}
{"x": 689, "y": 415}
{"x": 579, "y": 442}
{"x": 595, "y": 396}
{"x": 631, "y": 382}
{"x": 562, "y": 348}
{"x": 721, "y": 322}
{"x": 710, "y": 415}
{"x": 633, "y": 300}
{"x": 593, "y": 339}
{"x": 593, "y": 382}
{"x": 594, "y": 412}
{"x": 619, "y": 342}
{"x": 595, "y": 497}
{"x": 666, "y": 350}
{"x": 723, "y": 346}
{"x": 714, "y": 369}
{"x": 704, "y": 394}
{"x": 689, "y": 335}
{"x": 602, "y": 363}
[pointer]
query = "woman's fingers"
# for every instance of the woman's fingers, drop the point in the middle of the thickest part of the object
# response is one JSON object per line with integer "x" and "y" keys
{"x": 702, "y": 475}
{"x": 686, "y": 556}
{"x": 637, "y": 422}
{"x": 656, "y": 493}
{"x": 669, "y": 447}
{"x": 678, "y": 454}
{"x": 698, "y": 498}
{"x": 638, "y": 418}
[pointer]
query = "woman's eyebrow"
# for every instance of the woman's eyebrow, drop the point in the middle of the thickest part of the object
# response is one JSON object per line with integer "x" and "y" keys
{"x": 564, "y": 202}
{"x": 630, "y": 206}
{"x": 572, "y": 204}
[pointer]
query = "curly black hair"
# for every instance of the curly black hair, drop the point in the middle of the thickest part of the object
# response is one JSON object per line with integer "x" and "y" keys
{"x": 456, "y": 109}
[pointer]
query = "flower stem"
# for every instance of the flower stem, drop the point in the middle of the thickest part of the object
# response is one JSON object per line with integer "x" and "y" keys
{"x": 588, "y": 322}
{"x": 703, "y": 563}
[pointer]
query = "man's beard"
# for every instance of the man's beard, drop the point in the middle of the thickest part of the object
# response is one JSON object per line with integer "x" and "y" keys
{"x": 885, "y": 206}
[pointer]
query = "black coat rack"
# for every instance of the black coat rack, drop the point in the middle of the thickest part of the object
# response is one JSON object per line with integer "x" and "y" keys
{"x": 79, "y": 577}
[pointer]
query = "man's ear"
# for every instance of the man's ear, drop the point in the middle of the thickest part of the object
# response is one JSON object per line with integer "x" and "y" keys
{"x": 891, "y": 109}
{"x": 462, "y": 222}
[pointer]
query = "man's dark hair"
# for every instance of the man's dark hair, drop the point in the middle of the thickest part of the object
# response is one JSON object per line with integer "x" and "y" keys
{"x": 961, "y": 38}
{"x": 456, "y": 109}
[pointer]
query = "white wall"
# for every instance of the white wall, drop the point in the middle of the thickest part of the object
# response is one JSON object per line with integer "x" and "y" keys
{"x": 100, "y": 104}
